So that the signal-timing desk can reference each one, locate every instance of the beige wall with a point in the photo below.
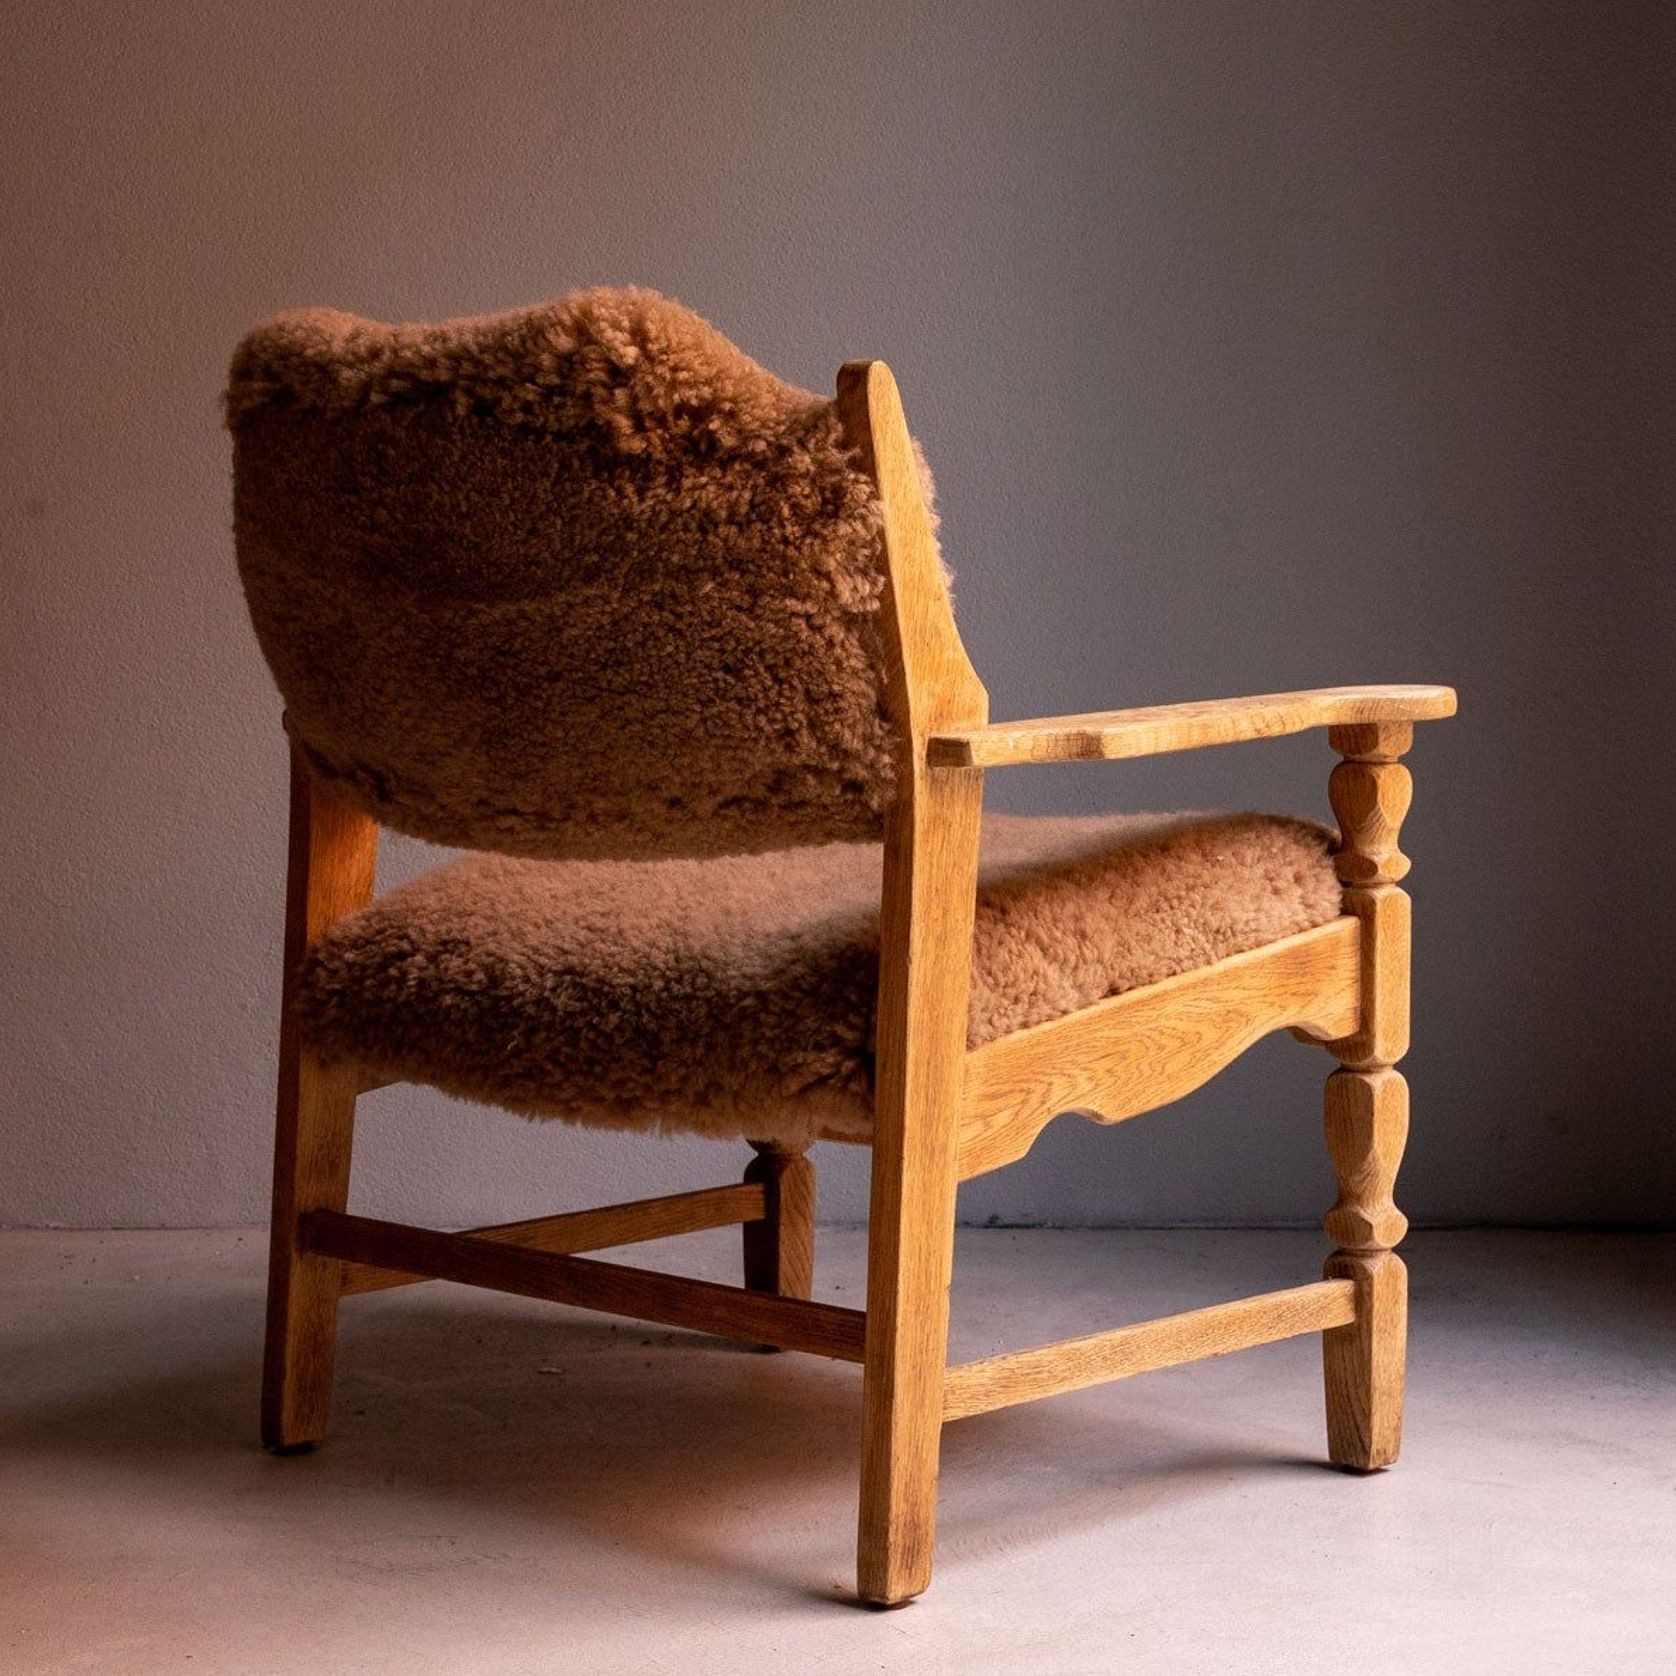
(1256, 346)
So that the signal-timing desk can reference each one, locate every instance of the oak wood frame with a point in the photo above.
(942, 1113)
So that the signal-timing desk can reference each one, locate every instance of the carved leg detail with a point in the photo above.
(1367, 1107)
(1367, 1122)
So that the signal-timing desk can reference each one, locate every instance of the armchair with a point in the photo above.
(440, 654)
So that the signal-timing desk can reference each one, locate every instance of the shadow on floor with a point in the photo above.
(589, 1431)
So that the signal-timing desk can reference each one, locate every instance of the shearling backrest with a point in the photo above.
(579, 580)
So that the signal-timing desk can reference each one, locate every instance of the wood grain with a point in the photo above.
(588, 1283)
(1157, 729)
(332, 856)
(1363, 1362)
(1144, 1048)
(779, 1247)
(932, 686)
(1381, 1034)
(1370, 799)
(1367, 1106)
(1073, 1364)
(1367, 1129)
(929, 894)
(595, 1230)
(940, 1114)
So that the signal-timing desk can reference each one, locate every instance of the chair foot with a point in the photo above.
(899, 1571)
(1364, 1364)
(311, 1172)
(1364, 1361)
(301, 1348)
(902, 1393)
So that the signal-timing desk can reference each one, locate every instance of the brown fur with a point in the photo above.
(585, 585)
(735, 997)
(581, 580)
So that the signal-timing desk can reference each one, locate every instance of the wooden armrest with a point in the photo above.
(1182, 727)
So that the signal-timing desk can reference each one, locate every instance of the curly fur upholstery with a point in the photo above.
(585, 586)
(735, 997)
(581, 580)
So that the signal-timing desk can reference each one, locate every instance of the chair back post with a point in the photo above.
(331, 861)
(929, 891)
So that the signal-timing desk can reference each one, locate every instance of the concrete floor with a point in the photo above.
(516, 1488)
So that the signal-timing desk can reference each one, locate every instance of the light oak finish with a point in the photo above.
(926, 913)
(587, 1283)
(1157, 729)
(596, 1230)
(1074, 1364)
(779, 1246)
(1381, 1035)
(1364, 1363)
(941, 1112)
(1367, 1105)
(1147, 1047)
(1367, 1128)
(1370, 796)
(332, 855)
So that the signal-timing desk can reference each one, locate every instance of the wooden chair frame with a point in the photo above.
(943, 1113)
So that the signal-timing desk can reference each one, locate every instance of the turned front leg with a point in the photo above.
(1367, 1105)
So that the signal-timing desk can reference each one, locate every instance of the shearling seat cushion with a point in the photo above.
(578, 581)
(735, 996)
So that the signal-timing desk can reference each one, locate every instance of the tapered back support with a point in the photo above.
(930, 682)
(580, 580)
